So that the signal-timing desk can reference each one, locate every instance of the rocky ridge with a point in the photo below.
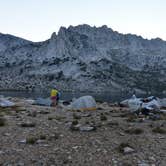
(84, 58)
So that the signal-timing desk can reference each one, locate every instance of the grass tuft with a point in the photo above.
(159, 130)
(2, 121)
(134, 131)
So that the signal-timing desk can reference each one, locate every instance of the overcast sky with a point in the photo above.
(36, 20)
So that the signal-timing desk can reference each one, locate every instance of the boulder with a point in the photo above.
(134, 103)
(84, 103)
(6, 103)
(153, 105)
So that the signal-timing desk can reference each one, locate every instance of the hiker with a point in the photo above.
(54, 97)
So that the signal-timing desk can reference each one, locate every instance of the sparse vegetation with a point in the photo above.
(31, 140)
(76, 116)
(74, 122)
(87, 122)
(131, 118)
(50, 118)
(162, 117)
(2, 121)
(134, 131)
(20, 109)
(159, 130)
(103, 117)
(59, 118)
(42, 136)
(122, 146)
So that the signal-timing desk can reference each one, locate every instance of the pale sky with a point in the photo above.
(36, 20)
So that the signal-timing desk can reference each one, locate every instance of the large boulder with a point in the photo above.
(84, 103)
(151, 105)
(6, 103)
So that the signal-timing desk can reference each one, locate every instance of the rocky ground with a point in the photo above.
(111, 135)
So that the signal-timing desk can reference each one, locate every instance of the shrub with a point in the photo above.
(31, 140)
(103, 117)
(159, 130)
(2, 121)
(134, 131)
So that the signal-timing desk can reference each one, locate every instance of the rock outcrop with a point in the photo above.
(84, 58)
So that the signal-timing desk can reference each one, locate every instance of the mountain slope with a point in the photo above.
(85, 58)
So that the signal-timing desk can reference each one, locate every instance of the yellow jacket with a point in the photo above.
(54, 92)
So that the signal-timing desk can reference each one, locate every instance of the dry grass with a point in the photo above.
(131, 118)
(75, 116)
(159, 130)
(74, 122)
(2, 121)
(134, 131)
(103, 117)
(31, 140)
(42, 136)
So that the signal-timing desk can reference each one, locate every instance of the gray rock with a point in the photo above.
(87, 128)
(23, 141)
(40, 141)
(2, 152)
(27, 124)
(74, 127)
(128, 150)
(143, 164)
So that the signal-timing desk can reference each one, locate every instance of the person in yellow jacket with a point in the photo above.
(54, 97)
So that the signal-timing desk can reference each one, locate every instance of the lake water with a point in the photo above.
(66, 95)
(109, 97)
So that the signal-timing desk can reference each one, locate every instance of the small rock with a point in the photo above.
(69, 157)
(114, 161)
(20, 109)
(32, 113)
(7, 134)
(2, 152)
(112, 123)
(45, 145)
(44, 112)
(75, 147)
(121, 134)
(162, 137)
(40, 141)
(152, 158)
(86, 115)
(75, 127)
(20, 164)
(154, 117)
(23, 141)
(66, 103)
(143, 164)
(28, 124)
(128, 150)
(87, 128)
(30, 101)
(54, 136)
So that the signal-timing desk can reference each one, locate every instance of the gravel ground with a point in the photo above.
(42, 136)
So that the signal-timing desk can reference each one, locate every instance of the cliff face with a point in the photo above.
(84, 58)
